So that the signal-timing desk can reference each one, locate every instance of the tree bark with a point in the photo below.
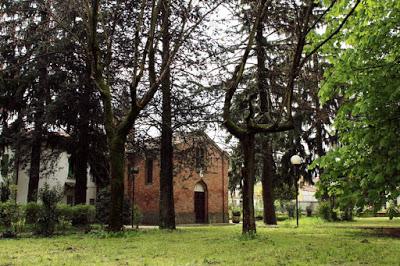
(267, 173)
(117, 165)
(37, 135)
(248, 146)
(34, 170)
(267, 185)
(82, 149)
(167, 208)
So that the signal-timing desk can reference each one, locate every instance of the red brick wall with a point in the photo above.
(215, 179)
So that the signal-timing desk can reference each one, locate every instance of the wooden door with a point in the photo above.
(200, 206)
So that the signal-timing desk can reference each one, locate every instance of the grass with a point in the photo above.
(314, 243)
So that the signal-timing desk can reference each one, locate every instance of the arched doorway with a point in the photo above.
(200, 202)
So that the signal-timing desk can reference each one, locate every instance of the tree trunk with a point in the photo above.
(266, 180)
(82, 150)
(267, 173)
(167, 208)
(37, 135)
(248, 146)
(34, 171)
(318, 114)
(117, 165)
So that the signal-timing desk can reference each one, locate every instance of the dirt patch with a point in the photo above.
(384, 231)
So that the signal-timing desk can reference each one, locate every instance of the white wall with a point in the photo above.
(57, 178)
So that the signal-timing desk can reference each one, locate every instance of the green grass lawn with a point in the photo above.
(314, 243)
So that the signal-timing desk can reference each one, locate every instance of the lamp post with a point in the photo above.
(296, 161)
(132, 171)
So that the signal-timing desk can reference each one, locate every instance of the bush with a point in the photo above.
(259, 215)
(65, 212)
(32, 211)
(279, 206)
(83, 214)
(347, 214)
(392, 210)
(291, 209)
(309, 210)
(102, 205)
(281, 218)
(367, 213)
(324, 211)
(10, 218)
(137, 216)
(5, 191)
(236, 215)
(48, 216)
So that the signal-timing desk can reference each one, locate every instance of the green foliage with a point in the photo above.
(103, 199)
(280, 206)
(236, 211)
(364, 169)
(5, 190)
(392, 210)
(314, 242)
(236, 214)
(259, 215)
(290, 208)
(65, 212)
(10, 218)
(136, 216)
(324, 211)
(83, 214)
(48, 216)
(32, 212)
(309, 211)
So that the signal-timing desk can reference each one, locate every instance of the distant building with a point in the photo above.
(200, 181)
(56, 173)
(306, 196)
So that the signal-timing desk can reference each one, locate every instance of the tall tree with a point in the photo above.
(303, 23)
(167, 209)
(363, 169)
(146, 17)
(40, 96)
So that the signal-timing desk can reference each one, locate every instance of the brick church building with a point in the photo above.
(200, 181)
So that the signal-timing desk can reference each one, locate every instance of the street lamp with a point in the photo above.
(296, 161)
(132, 171)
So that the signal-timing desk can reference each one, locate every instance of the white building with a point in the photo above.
(56, 174)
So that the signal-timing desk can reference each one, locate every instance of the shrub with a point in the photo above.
(48, 216)
(281, 218)
(259, 215)
(236, 211)
(19, 224)
(279, 206)
(32, 211)
(4, 191)
(347, 214)
(102, 205)
(324, 211)
(10, 215)
(236, 215)
(291, 209)
(65, 212)
(392, 210)
(137, 216)
(83, 214)
(309, 210)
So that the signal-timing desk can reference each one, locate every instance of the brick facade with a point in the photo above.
(212, 177)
